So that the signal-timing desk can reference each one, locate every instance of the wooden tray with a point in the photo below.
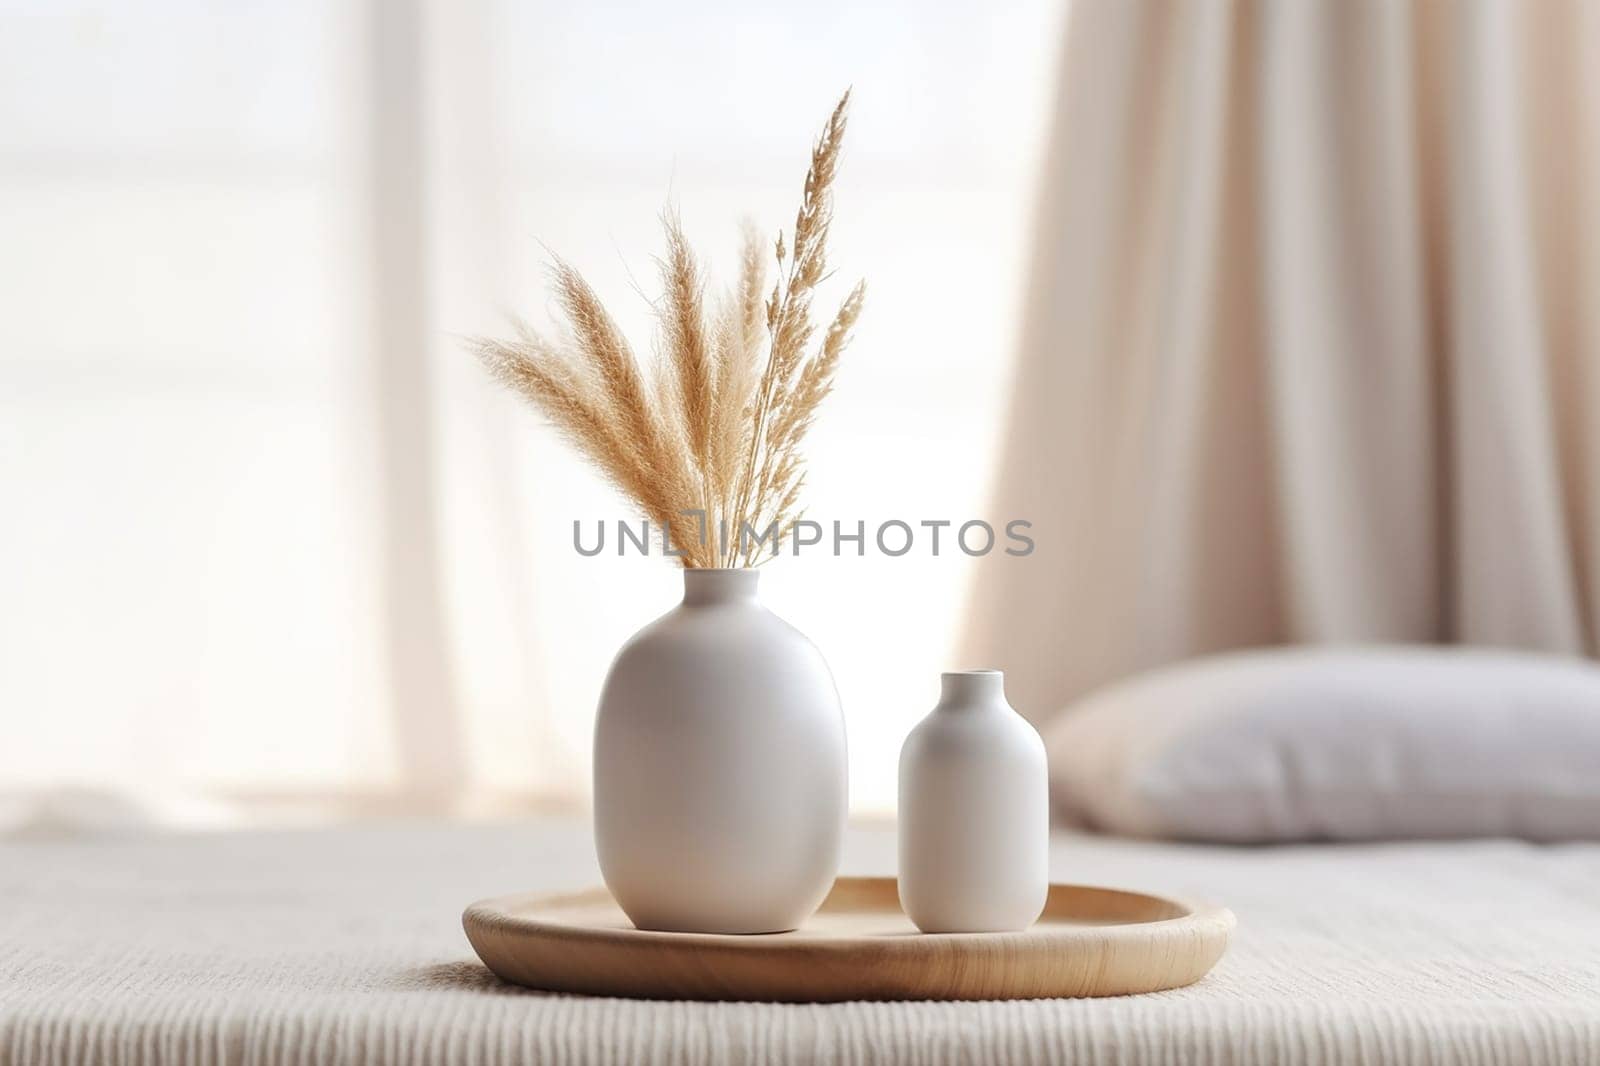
(859, 945)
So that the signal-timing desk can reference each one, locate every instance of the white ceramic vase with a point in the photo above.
(974, 812)
(719, 767)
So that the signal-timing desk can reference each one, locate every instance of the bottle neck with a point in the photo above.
(704, 587)
(966, 687)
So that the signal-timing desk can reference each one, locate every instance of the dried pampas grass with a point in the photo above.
(707, 442)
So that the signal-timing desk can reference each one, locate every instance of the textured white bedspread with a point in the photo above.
(345, 946)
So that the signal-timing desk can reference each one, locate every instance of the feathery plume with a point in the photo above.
(717, 423)
(688, 341)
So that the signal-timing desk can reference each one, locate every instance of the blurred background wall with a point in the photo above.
(271, 548)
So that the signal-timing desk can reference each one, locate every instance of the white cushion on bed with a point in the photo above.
(1344, 744)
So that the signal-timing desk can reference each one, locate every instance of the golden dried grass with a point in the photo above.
(716, 426)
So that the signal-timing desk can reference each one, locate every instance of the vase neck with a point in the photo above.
(966, 687)
(706, 586)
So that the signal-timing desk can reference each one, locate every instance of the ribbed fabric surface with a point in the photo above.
(345, 947)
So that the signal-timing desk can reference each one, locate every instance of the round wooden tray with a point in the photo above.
(859, 945)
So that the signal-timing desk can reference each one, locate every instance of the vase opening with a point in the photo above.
(703, 586)
(962, 686)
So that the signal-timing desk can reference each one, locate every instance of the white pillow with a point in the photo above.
(1338, 744)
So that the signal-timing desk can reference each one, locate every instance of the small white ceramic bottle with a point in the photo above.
(974, 812)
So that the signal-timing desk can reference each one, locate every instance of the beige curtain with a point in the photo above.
(1312, 349)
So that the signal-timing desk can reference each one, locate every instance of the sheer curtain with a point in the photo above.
(271, 544)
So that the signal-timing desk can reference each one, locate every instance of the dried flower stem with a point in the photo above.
(713, 428)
